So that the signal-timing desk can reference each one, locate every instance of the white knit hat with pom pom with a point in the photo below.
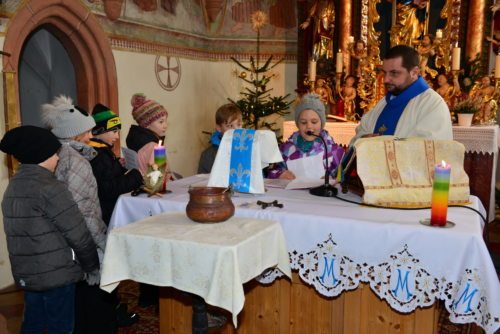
(64, 119)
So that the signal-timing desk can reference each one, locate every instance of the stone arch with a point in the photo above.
(85, 41)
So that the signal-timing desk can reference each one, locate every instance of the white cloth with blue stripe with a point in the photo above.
(242, 155)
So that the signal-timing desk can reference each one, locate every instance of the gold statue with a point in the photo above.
(324, 91)
(323, 13)
(371, 86)
(449, 93)
(409, 27)
(483, 93)
(359, 53)
(348, 95)
(325, 94)
(426, 50)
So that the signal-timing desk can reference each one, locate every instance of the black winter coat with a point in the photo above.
(43, 225)
(112, 178)
(138, 137)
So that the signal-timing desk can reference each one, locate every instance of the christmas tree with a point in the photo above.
(256, 102)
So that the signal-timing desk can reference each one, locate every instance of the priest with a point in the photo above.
(411, 108)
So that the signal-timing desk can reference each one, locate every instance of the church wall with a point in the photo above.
(204, 86)
(207, 80)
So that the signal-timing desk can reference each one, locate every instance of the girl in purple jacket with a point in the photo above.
(310, 118)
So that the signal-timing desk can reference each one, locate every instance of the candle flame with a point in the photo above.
(443, 163)
(159, 143)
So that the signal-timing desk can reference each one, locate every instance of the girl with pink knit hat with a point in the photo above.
(151, 118)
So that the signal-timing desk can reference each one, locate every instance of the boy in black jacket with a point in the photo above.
(112, 179)
(46, 233)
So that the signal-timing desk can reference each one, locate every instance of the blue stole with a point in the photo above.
(240, 167)
(396, 104)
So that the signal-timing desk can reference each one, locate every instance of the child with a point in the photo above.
(112, 178)
(73, 125)
(309, 116)
(44, 231)
(151, 118)
(112, 181)
(227, 117)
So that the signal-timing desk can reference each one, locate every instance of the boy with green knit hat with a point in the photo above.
(112, 179)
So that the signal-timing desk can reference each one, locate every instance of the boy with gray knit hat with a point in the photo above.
(310, 120)
(73, 126)
(45, 230)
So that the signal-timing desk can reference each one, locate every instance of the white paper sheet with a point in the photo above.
(304, 183)
(309, 172)
(130, 157)
(307, 168)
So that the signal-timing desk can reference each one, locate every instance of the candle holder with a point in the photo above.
(427, 222)
(338, 77)
(310, 84)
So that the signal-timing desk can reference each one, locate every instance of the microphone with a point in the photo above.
(325, 190)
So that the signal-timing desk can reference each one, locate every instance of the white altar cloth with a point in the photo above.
(477, 138)
(209, 260)
(335, 246)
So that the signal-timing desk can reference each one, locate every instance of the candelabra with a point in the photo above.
(310, 83)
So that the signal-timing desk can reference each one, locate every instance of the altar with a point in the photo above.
(356, 269)
(481, 154)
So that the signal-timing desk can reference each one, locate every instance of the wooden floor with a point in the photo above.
(11, 311)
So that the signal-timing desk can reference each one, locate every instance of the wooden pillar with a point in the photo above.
(475, 28)
(345, 15)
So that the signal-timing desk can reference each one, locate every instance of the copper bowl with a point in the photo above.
(209, 204)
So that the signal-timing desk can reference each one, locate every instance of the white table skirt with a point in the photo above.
(336, 245)
(212, 261)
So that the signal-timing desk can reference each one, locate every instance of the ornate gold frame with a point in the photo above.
(371, 90)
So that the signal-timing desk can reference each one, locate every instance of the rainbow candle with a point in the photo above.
(160, 155)
(440, 190)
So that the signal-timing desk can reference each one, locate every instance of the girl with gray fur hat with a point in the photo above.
(310, 120)
(73, 127)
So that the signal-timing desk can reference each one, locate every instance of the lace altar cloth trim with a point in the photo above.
(400, 279)
(479, 139)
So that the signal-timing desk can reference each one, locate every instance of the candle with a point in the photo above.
(340, 62)
(160, 155)
(455, 59)
(440, 190)
(497, 66)
(350, 40)
(439, 33)
(312, 71)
